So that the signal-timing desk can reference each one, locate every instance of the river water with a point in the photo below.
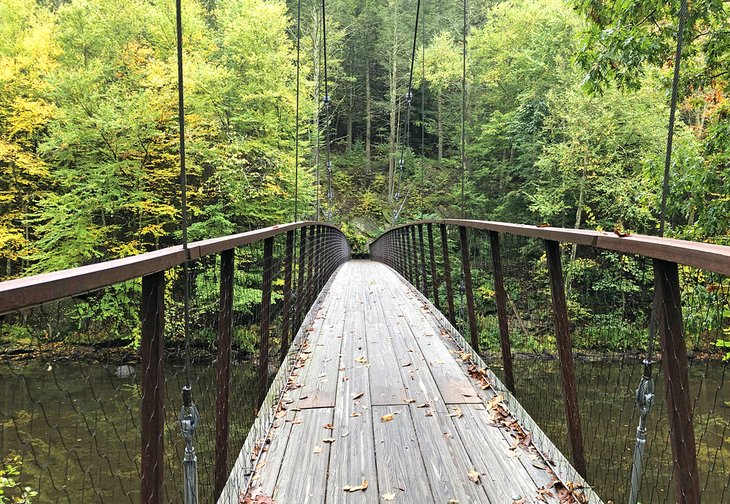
(76, 426)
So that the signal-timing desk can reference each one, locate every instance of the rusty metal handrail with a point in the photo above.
(32, 291)
(706, 256)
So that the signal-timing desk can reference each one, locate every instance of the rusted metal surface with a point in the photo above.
(676, 382)
(286, 323)
(422, 249)
(263, 373)
(567, 366)
(468, 287)
(299, 298)
(223, 371)
(434, 274)
(152, 423)
(501, 299)
(447, 272)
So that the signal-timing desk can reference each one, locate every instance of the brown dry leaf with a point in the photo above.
(465, 357)
(473, 475)
(523, 500)
(354, 488)
(296, 421)
(452, 501)
(317, 449)
(328, 440)
(356, 414)
(328, 426)
(387, 418)
(357, 396)
(409, 401)
(424, 405)
(429, 413)
(388, 497)
(494, 401)
(457, 413)
(362, 360)
(280, 414)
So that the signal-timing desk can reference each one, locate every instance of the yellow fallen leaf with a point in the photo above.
(473, 475)
(494, 401)
(452, 501)
(317, 449)
(362, 360)
(457, 413)
(354, 488)
(465, 357)
(386, 418)
(388, 497)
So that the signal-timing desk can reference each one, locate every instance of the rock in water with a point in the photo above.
(125, 371)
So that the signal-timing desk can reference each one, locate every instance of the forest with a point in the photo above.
(565, 107)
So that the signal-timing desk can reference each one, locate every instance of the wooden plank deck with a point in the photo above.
(386, 399)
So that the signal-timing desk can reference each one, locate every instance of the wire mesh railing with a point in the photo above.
(564, 318)
(93, 363)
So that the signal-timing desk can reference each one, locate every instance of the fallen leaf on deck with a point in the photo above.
(280, 414)
(457, 413)
(512, 453)
(406, 364)
(328, 440)
(317, 449)
(388, 497)
(473, 475)
(296, 421)
(494, 401)
(356, 414)
(424, 405)
(465, 357)
(523, 500)
(345, 434)
(452, 501)
(429, 413)
(328, 426)
(362, 486)
(357, 396)
(362, 360)
(386, 418)
(409, 401)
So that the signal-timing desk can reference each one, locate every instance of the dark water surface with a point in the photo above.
(76, 427)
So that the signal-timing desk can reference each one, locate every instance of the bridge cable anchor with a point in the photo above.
(189, 420)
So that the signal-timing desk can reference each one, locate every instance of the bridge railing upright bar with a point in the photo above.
(251, 293)
(519, 313)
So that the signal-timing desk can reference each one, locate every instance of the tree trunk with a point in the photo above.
(440, 126)
(368, 118)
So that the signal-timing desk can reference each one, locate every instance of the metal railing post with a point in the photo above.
(567, 367)
(447, 273)
(422, 248)
(153, 388)
(466, 269)
(263, 372)
(416, 278)
(676, 382)
(311, 243)
(501, 299)
(299, 298)
(286, 323)
(223, 370)
(434, 275)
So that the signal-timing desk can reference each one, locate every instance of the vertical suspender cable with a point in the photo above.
(189, 416)
(463, 112)
(326, 102)
(423, 103)
(409, 99)
(645, 392)
(296, 127)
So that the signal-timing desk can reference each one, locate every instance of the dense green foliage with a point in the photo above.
(566, 119)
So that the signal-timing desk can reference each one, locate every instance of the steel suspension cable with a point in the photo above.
(189, 416)
(327, 101)
(645, 391)
(296, 127)
(463, 112)
(423, 104)
(409, 99)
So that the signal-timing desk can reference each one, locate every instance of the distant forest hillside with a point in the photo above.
(566, 119)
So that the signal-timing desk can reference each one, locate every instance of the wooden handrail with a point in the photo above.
(38, 289)
(706, 256)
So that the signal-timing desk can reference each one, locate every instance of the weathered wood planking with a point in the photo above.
(376, 356)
